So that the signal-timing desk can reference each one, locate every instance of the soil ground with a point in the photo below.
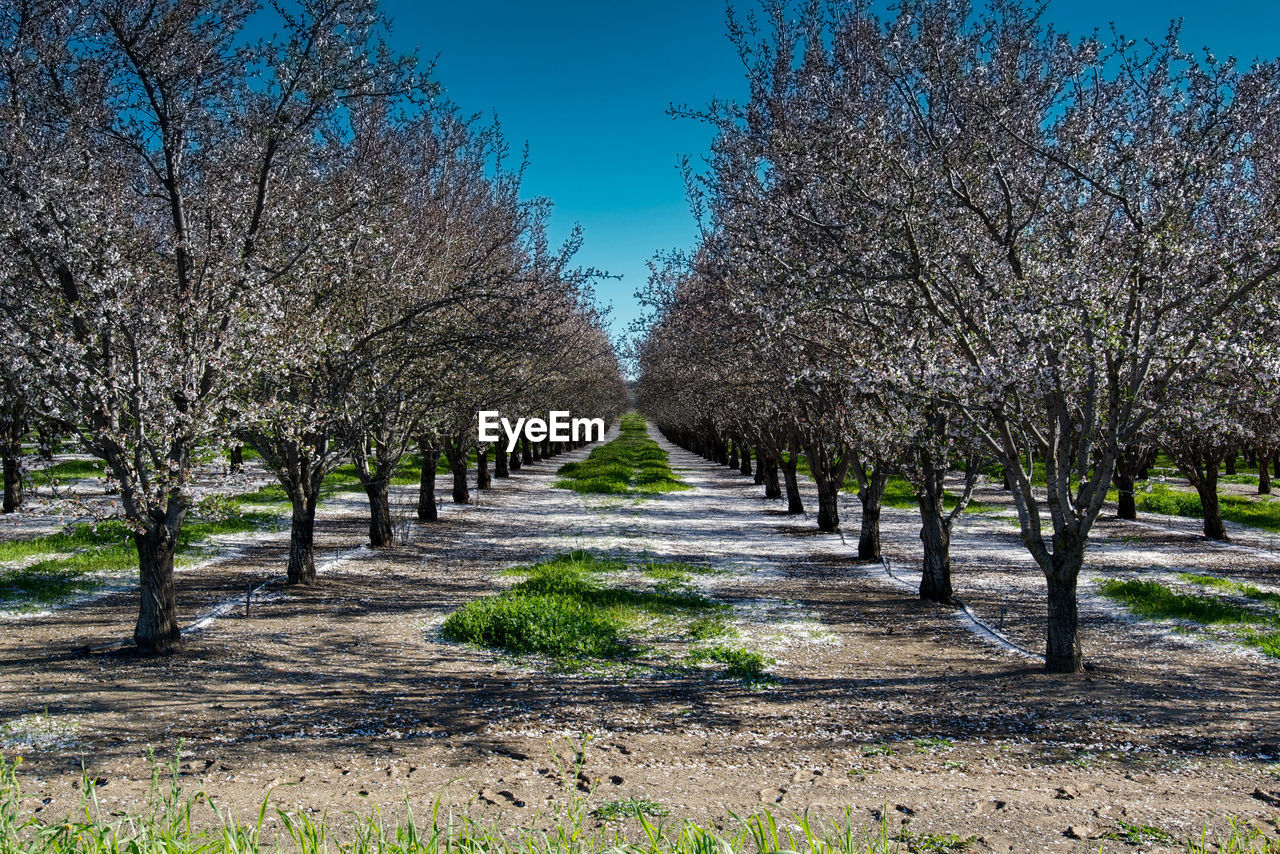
(343, 695)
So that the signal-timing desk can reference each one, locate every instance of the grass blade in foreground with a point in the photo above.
(176, 821)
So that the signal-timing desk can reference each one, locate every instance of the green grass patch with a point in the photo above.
(1137, 834)
(739, 663)
(1249, 627)
(632, 464)
(555, 625)
(1246, 590)
(901, 495)
(343, 479)
(1261, 512)
(1154, 600)
(562, 610)
(928, 744)
(675, 570)
(711, 627)
(67, 470)
(1268, 643)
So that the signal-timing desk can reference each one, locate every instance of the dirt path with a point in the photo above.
(344, 695)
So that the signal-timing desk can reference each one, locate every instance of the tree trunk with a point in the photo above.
(935, 576)
(526, 451)
(733, 455)
(515, 462)
(157, 632)
(381, 533)
(760, 469)
(302, 563)
(500, 463)
(12, 476)
(1264, 472)
(1062, 647)
(936, 535)
(1208, 489)
(794, 504)
(1199, 464)
(828, 507)
(458, 466)
(872, 497)
(537, 451)
(1230, 461)
(1124, 480)
(427, 511)
(772, 490)
(746, 461)
(237, 459)
(935, 532)
(482, 468)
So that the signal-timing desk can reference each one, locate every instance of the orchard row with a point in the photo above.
(955, 240)
(296, 244)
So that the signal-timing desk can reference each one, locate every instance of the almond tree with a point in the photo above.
(146, 152)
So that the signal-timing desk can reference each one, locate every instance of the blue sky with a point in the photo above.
(587, 85)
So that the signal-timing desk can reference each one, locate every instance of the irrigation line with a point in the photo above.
(976, 624)
(223, 608)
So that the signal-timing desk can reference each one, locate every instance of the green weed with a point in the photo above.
(744, 664)
(1136, 834)
(930, 743)
(934, 843)
(629, 808)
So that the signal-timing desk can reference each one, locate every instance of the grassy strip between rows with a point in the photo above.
(632, 464)
(175, 821)
(1223, 619)
(1260, 512)
(84, 559)
(564, 611)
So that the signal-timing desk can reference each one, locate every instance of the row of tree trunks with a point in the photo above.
(735, 453)
(829, 474)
